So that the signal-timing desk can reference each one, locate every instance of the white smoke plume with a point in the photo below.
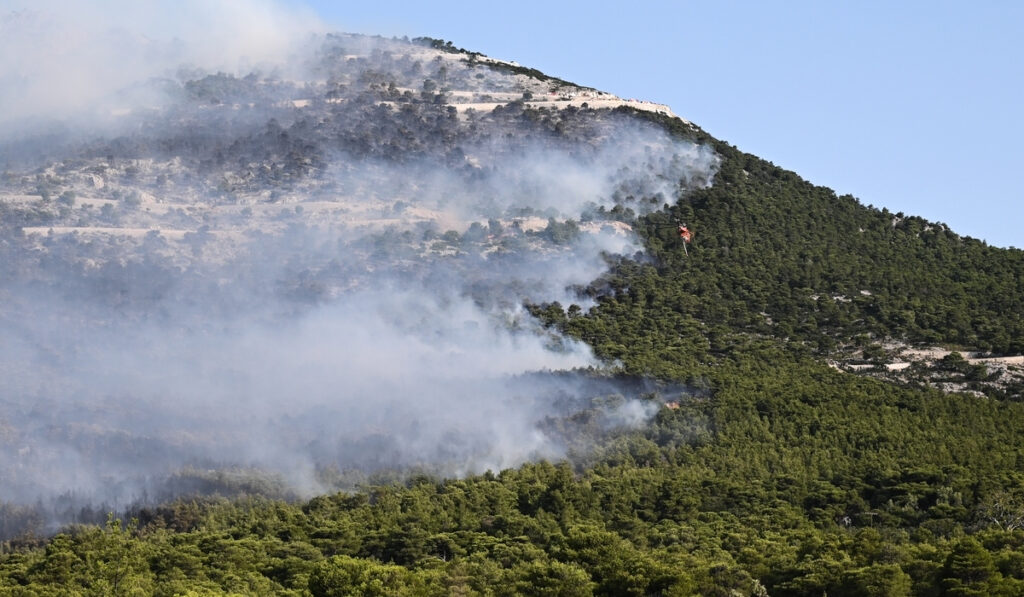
(61, 59)
(287, 266)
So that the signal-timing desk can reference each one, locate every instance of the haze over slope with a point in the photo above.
(310, 265)
(385, 255)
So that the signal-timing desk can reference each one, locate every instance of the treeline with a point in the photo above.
(821, 265)
(776, 257)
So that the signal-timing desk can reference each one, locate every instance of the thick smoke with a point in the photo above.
(305, 276)
(62, 60)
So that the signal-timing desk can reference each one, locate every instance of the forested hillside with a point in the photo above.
(716, 450)
(775, 256)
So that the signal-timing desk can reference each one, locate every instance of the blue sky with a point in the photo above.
(914, 106)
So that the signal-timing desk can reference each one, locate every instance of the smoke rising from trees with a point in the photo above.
(302, 276)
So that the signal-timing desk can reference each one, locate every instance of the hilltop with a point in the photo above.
(142, 183)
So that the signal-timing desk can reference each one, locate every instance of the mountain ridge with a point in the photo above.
(468, 376)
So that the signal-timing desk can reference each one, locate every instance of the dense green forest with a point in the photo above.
(775, 475)
(819, 265)
(792, 479)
